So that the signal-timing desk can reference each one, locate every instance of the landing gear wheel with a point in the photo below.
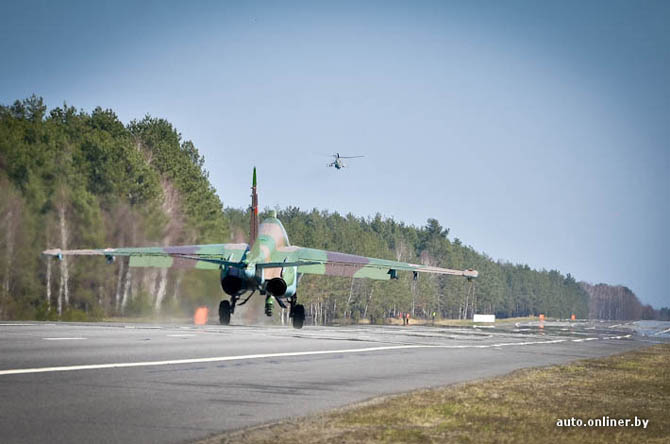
(224, 313)
(298, 316)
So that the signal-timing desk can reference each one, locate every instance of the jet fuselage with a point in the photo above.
(280, 282)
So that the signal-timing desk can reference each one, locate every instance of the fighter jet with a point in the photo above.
(269, 265)
(338, 163)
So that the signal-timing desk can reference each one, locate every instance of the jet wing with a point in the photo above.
(330, 263)
(210, 256)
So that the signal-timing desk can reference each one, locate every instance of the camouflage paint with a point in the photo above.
(269, 252)
(270, 256)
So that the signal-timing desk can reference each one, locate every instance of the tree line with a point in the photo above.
(616, 302)
(73, 179)
(505, 289)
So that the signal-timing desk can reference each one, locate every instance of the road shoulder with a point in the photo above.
(525, 403)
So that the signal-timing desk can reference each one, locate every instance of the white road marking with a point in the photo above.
(617, 337)
(261, 356)
(184, 335)
(661, 332)
(16, 325)
(63, 339)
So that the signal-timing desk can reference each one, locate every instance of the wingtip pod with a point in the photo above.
(467, 273)
(56, 252)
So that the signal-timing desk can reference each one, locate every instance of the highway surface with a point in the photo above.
(136, 383)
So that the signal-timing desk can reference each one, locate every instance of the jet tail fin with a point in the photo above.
(253, 229)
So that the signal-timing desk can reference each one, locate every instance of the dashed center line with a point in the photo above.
(64, 339)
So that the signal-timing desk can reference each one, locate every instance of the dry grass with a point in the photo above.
(520, 407)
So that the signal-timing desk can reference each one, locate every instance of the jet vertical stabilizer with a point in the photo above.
(253, 229)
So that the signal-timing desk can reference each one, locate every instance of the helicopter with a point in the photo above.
(338, 163)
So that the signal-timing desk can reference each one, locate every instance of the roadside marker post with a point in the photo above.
(200, 316)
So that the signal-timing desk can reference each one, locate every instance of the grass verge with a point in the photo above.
(523, 406)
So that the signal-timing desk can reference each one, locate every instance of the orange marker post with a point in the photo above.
(200, 317)
(573, 317)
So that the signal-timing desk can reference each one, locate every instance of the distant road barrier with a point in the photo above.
(483, 318)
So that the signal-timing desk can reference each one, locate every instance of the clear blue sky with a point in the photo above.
(538, 132)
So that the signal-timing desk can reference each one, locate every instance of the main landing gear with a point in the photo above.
(296, 313)
(298, 316)
(227, 308)
(224, 312)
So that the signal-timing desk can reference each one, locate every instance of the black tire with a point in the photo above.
(224, 313)
(298, 316)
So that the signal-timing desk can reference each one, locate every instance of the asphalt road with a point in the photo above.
(71, 383)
